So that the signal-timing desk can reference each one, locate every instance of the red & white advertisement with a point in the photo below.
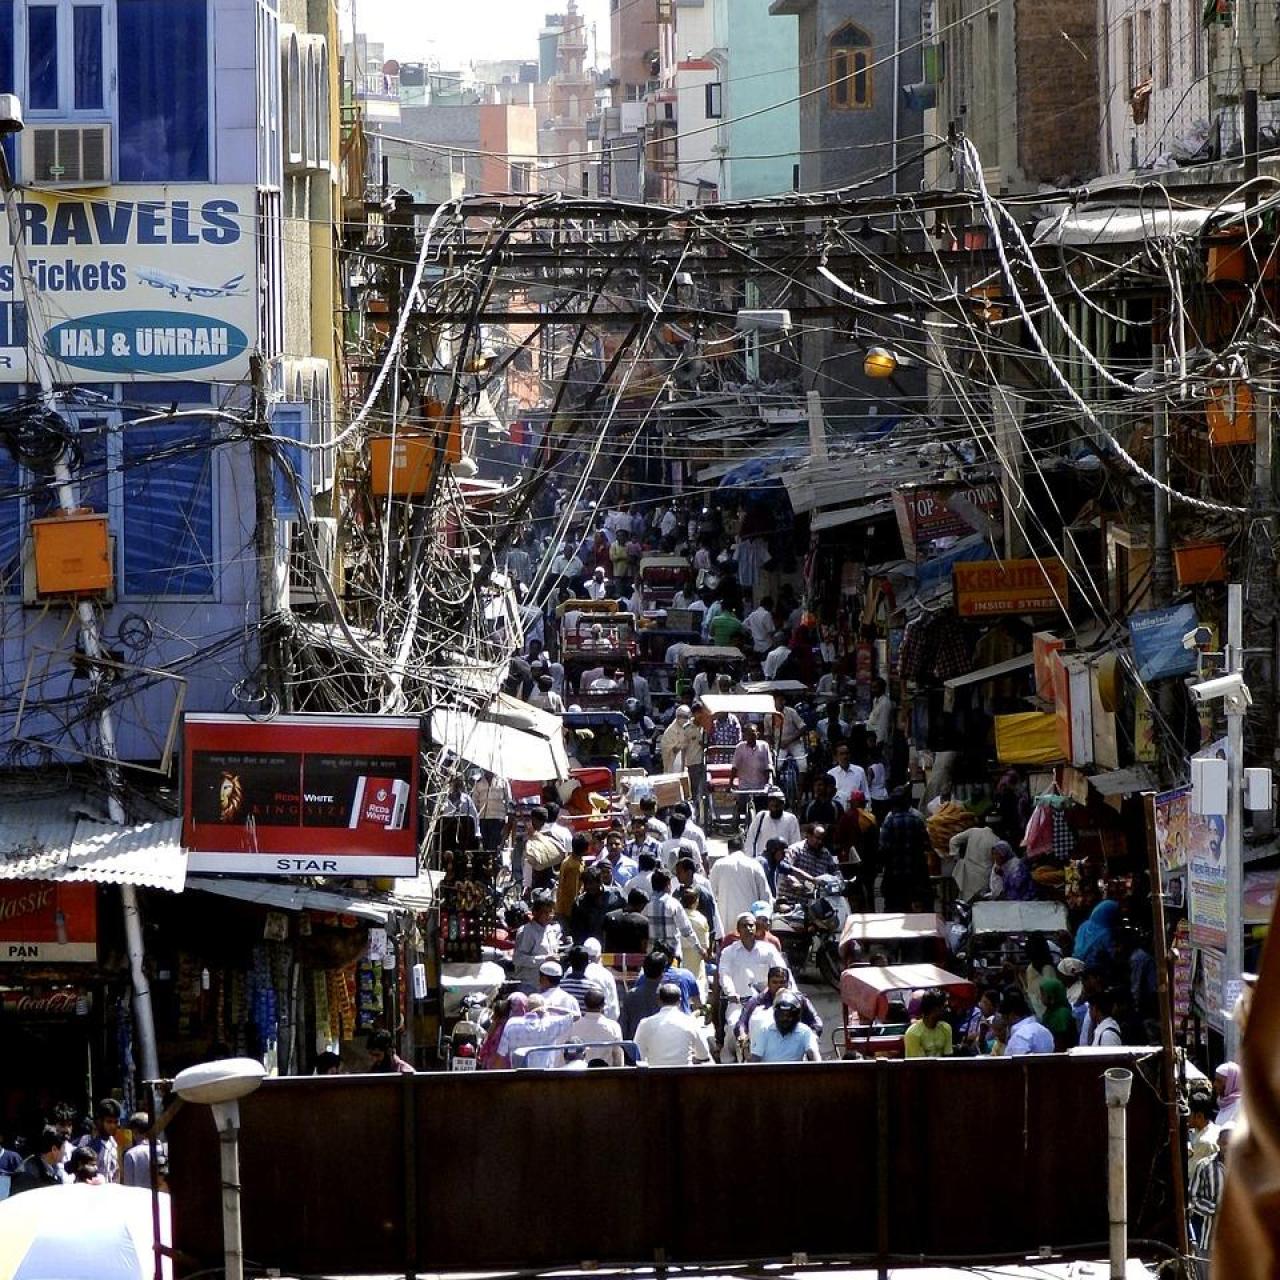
(43, 922)
(301, 795)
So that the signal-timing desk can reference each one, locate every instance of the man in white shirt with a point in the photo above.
(1026, 1034)
(540, 1026)
(670, 1038)
(847, 777)
(595, 1026)
(691, 829)
(550, 972)
(880, 719)
(775, 659)
(744, 966)
(760, 625)
(556, 830)
(669, 522)
(538, 940)
(596, 973)
(737, 881)
(773, 821)
(597, 586)
(1106, 1030)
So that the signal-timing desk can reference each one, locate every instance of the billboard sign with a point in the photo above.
(148, 282)
(928, 512)
(48, 922)
(998, 587)
(1157, 641)
(301, 795)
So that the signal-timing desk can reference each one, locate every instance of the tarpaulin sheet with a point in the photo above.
(1027, 737)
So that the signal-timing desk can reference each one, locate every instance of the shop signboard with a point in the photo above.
(1191, 850)
(1211, 996)
(999, 587)
(48, 922)
(1156, 635)
(1044, 644)
(63, 1003)
(928, 512)
(146, 283)
(301, 795)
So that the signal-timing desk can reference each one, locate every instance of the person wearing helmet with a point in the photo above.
(788, 1039)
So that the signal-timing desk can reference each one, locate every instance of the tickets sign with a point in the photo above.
(989, 587)
(144, 282)
(301, 795)
(48, 922)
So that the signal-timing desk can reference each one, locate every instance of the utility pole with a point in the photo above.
(1235, 708)
(1162, 565)
(265, 535)
(1004, 420)
(67, 492)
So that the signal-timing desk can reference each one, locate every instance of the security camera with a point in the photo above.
(10, 113)
(1231, 687)
(1197, 639)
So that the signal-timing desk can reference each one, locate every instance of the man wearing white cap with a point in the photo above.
(597, 973)
(549, 975)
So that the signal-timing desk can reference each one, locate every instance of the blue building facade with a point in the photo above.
(173, 149)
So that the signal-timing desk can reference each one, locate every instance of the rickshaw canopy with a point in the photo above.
(775, 686)
(711, 653)
(1019, 917)
(587, 606)
(891, 926)
(650, 564)
(737, 704)
(866, 990)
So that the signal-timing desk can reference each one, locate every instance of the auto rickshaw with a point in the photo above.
(722, 800)
(661, 577)
(607, 746)
(720, 659)
(875, 999)
(996, 939)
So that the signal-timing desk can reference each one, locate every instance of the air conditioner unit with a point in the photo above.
(67, 155)
(305, 590)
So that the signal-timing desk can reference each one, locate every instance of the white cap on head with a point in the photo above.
(683, 712)
(593, 948)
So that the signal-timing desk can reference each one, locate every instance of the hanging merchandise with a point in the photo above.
(369, 1005)
(467, 909)
(1038, 838)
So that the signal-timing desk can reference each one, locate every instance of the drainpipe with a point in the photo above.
(897, 89)
(1117, 1083)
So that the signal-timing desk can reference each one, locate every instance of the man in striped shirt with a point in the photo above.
(576, 982)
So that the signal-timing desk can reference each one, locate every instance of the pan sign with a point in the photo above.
(147, 282)
(48, 922)
(989, 587)
(301, 795)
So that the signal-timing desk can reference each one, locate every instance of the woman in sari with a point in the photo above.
(1057, 1016)
(1095, 938)
(488, 1059)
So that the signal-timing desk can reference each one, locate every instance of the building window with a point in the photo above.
(164, 90)
(521, 174)
(67, 53)
(1144, 44)
(1196, 37)
(1163, 41)
(850, 68)
(1130, 58)
(715, 99)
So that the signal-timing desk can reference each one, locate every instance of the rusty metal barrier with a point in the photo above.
(531, 1170)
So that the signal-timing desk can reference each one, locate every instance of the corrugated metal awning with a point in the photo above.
(829, 519)
(149, 854)
(993, 672)
(288, 897)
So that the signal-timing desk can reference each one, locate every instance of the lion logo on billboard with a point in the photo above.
(230, 798)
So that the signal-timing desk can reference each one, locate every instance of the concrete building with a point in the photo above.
(854, 120)
(1005, 88)
(758, 56)
(185, 157)
(571, 102)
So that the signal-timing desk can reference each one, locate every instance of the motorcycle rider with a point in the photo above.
(743, 964)
(760, 1007)
(810, 857)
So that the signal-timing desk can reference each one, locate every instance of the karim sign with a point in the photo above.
(158, 284)
(986, 587)
(301, 795)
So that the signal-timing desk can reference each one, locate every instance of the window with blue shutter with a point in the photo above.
(168, 509)
(163, 90)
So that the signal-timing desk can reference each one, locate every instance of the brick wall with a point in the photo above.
(1058, 108)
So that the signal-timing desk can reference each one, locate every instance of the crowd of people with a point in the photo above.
(69, 1149)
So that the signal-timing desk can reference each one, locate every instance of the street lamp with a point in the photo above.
(220, 1085)
(880, 362)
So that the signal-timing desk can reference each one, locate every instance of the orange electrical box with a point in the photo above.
(72, 554)
(400, 467)
(1200, 562)
(1229, 410)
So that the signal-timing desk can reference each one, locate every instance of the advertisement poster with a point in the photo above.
(45, 921)
(1157, 642)
(1010, 586)
(161, 284)
(302, 795)
(937, 511)
(1173, 808)
(1211, 996)
(1191, 850)
(1182, 972)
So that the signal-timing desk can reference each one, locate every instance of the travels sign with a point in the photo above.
(147, 282)
(301, 795)
(988, 587)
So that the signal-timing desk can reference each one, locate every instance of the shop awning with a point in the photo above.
(993, 672)
(288, 897)
(829, 519)
(149, 855)
(516, 754)
(1123, 224)
(1123, 782)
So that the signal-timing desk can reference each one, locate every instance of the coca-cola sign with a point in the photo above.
(50, 1004)
(47, 922)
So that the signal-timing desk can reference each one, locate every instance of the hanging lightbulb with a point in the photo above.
(60, 926)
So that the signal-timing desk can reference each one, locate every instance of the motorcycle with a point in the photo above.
(808, 924)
